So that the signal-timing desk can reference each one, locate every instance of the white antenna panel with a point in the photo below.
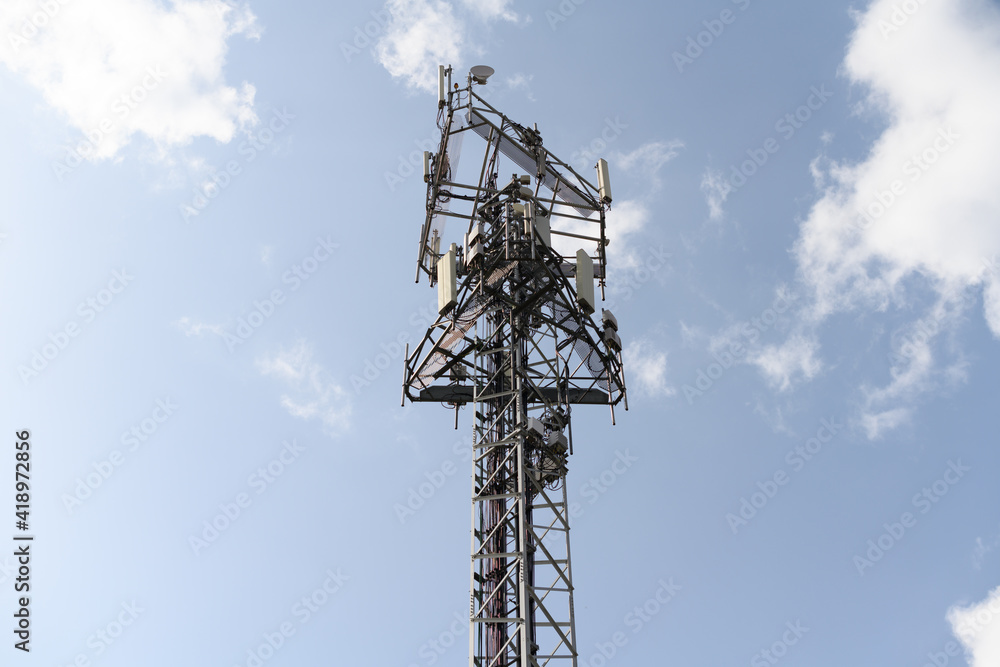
(585, 281)
(441, 97)
(604, 181)
(448, 281)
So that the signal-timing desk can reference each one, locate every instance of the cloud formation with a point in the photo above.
(648, 159)
(978, 628)
(647, 369)
(919, 211)
(716, 189)
(423, 34)
(783, 364)
(192, 328)
(923, 203)
(120, 68)
(313, 395)
(628, 217)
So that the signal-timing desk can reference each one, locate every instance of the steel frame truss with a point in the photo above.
(521, 350)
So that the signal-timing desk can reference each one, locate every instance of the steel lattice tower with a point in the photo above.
(515, 339)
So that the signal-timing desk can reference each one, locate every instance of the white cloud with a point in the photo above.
(783, 364)
(422, 34)
(991, 298)
(978, 628)
(773, 417)
(192, 328)
(267, 255)
(624, 221)
(716, 189)
(914, 371)
(646, 367)
(316, 396)
(492, 9)
(627, 217)
(119, 68)
(934, 78)
(521, 81)
(982, 551)
(919, 210)
(648, 158)
(877, 423)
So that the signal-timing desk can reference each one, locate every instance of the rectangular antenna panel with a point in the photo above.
(540, 221)
(603, 181)
(585, 281)
(475, 252)
(478, 233)
(612, 340)
(447, 282)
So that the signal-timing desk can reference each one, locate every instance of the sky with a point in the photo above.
(207, 251)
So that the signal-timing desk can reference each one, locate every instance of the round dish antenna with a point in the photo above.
(480, 73)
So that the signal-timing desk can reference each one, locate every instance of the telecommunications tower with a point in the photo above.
(514, 339)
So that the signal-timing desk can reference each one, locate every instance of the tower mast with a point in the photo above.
(516, 340)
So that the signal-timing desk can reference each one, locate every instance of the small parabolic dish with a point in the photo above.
(480, 73)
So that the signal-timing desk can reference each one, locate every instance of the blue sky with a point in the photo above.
(207, 251)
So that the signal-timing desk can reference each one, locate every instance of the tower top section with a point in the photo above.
(515, 241)
(574, 205)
